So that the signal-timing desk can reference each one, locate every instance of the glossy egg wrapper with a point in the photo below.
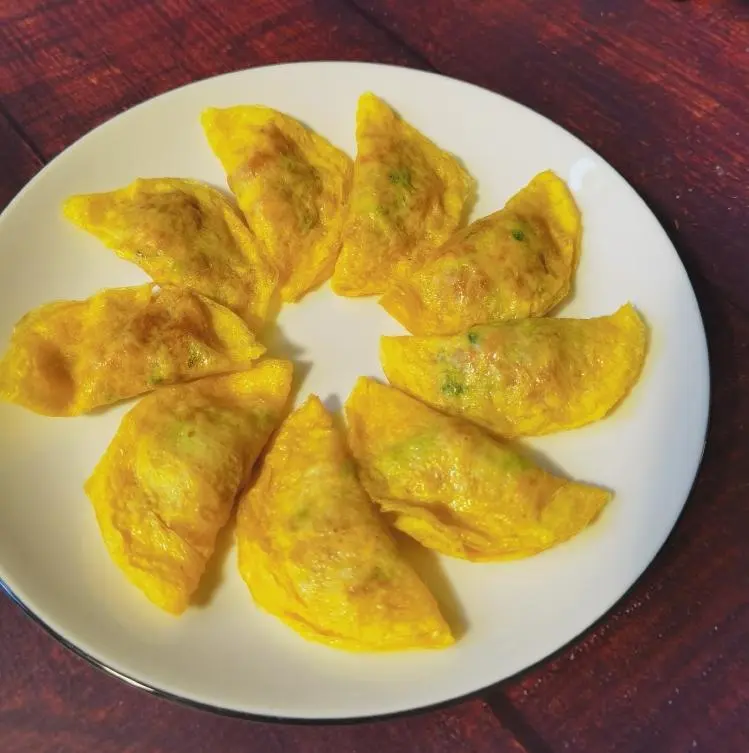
(291, 185)
(314, 551)
(185, 233)
(515, 263)
(70, 357)
(524, 377)
(169, 479)
(454, 488)
(408, 197)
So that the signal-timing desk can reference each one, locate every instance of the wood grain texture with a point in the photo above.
(68, 65)
(668, 668)
(658, 88)
(59, 84)
(18, 160)
(53, 702)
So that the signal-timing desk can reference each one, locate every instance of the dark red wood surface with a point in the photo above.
(661, 89)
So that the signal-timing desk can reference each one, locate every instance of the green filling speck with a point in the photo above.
(401, 177)
(473, 337)
(452, 388)
(518, 235)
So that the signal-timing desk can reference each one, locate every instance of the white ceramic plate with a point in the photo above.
(227, 653)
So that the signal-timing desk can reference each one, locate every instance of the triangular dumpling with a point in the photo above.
(532, 376)
(168, 481)
(408, 197)
(69, 357)
(291, 184)
(314, 552)
(184, 233)
(456, 489)
(515, 263)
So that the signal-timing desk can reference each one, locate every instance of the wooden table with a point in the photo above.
(661, 89)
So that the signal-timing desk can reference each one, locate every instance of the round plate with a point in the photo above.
(225, 652)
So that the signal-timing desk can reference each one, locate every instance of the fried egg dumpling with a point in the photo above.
(185, 233)
(408, 197)
(291, 184)
(168, 481)
(314, 551)
(515, 263)
(524, 377)
(70, 357)
(453, 487)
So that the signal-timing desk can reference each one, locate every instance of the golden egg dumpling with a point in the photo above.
(408, 197)
(456, 489)
(168, 481)
(291, 184)
(515, 263)
(314, 551)
(185, 233)
(70, 357)
(527, 376)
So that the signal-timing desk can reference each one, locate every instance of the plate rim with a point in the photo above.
(705, 365)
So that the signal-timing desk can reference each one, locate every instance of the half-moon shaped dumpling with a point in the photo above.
(408, 197)
(185, 233)
(515, 263)
(168, 481)
(456, 489)
(69, 357)
(531, 376)
(315, 553)
(290, 183)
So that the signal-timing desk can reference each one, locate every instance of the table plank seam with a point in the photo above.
(512, 719)
(375, 22)
(19, 131)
